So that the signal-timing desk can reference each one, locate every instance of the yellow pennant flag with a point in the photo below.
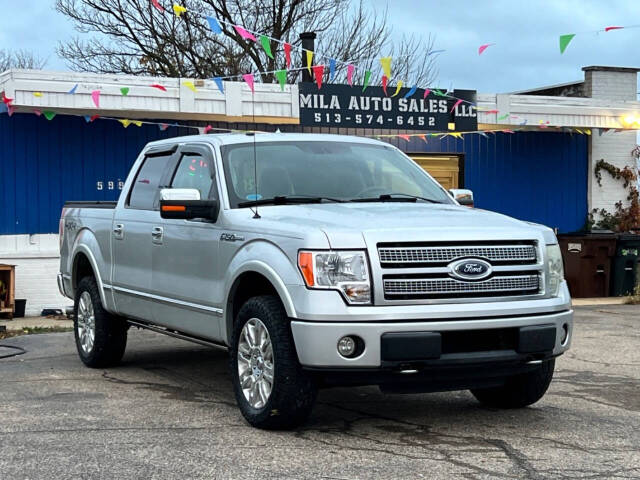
(309, 60)
(37, 94)
(386, 66)
(178, 9)
(137, 123)
(398, 88)
(125, 123)
(190, 85)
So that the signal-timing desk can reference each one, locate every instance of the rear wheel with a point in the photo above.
(520, 390)
(272, 390)
(101, 338)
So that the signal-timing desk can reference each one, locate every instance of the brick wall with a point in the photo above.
(610, 83)
(37, 264)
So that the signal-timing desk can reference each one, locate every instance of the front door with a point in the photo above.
(185, 259)
(445, 169)
(133, 236)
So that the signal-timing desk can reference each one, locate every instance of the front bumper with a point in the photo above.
(316, 342)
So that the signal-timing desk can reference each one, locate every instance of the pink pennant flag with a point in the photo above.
(95, 95)
(159, 87)
(287, 53)
(405, 137)
(248, 77)
(491, 111)
(163, 126)
(608, 29)
(207, 129)
(384, 84)
(427, 91)
(482, 48)
(350, 69)
(318, 72)
(458, 102)
(37, 112)
(244, 34)
(157, 5)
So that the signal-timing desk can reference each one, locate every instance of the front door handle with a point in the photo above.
(156, 235)
(118, 231)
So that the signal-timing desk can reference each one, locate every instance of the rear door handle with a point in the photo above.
(156, 235)
(118, 231)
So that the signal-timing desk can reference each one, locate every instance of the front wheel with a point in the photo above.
(271, 389)
(520, 390)
(100, 337)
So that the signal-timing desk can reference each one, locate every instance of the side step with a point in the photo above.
(173, 333)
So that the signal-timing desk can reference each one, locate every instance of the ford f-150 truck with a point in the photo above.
(316, 260)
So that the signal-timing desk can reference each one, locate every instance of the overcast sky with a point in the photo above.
(526, 53)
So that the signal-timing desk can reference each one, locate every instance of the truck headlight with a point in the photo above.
(345, 271)
(556, 270)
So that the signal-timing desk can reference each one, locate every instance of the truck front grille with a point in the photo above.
(412, 256)
(402, 288)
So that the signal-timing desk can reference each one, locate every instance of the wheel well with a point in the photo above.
(247, 285)
(81, 268)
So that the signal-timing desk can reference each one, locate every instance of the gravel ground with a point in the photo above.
(168, 412)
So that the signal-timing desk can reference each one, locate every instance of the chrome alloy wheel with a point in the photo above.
(86, 322)
(255, 363)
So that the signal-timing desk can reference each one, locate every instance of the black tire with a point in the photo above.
(520, 390)
(293, 392)
(110, 337)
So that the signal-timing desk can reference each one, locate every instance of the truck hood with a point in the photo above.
(353, 225)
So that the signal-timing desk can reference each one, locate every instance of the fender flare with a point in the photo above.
(83, 248)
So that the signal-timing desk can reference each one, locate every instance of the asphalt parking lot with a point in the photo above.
(168, 412)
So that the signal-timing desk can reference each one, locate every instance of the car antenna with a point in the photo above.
(255, 155)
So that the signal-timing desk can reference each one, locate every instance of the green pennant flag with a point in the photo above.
(281, 75)
(124, 91)
(49, 114)
(439, 93)
(266, 44)
(367, 77)
(565, 40)
(503, 117)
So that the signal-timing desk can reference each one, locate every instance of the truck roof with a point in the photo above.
(235, 138)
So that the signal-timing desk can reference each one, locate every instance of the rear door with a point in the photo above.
(133, 236)
(185, 261)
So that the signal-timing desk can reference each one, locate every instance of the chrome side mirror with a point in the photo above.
(463, 196)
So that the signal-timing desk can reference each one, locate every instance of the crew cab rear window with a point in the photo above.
(146, 185)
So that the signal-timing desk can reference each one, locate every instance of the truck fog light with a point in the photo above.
(346, 346)
(350, 346)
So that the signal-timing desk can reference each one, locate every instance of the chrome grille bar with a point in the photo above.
(427, 254)
(449, 286)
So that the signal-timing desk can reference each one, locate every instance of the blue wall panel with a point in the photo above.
(536, 176)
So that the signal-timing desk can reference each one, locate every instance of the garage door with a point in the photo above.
(445, 169)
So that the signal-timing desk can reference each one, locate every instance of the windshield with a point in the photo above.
(336, 170)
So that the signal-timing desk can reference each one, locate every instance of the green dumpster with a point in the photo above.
(624, 277)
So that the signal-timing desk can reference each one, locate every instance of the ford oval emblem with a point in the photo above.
(470, 269)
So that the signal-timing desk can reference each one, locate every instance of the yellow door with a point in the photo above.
(445, 169)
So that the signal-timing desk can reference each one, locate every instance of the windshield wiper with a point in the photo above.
(287, 200)
(395, 197)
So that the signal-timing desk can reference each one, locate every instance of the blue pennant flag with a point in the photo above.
(87, 118)
(73, 90)
(332, 69)
(214, 25)
(411, 92)
(218, 81)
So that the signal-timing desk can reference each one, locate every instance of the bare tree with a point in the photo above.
(20, 59)
(133, 37)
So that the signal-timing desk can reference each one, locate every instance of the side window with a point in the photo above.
(194, 171)
(146, 185)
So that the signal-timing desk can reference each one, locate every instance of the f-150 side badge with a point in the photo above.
(231, 237)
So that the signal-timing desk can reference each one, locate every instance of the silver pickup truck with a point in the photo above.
(317, 260)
